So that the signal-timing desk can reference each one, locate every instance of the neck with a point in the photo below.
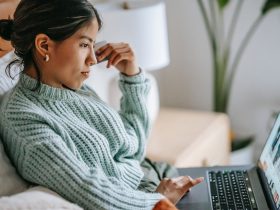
(31, 72)
(43, 77)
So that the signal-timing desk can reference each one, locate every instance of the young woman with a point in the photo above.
(57, 131)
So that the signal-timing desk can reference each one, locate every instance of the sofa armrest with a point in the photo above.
(186, 138)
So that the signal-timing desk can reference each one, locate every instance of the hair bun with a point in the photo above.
(6, 29)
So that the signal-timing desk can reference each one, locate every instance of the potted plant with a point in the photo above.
(225, 65)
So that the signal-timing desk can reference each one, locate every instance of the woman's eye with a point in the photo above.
(84, 45)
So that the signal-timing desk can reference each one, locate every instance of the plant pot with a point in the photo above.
(242, 151)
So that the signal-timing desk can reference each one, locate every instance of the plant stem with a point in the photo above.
(212, 40)
(226, 53)
(206, 20)
(239, 53)
(216, 51)
(233, 22)
(219, 71)
(221, 60)
(214, 19)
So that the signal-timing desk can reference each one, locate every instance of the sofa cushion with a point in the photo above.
(36, 198)
(10, 181)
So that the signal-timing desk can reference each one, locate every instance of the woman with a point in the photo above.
(57, 131)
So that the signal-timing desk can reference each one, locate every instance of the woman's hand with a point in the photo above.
(119, 55)
(174, 189)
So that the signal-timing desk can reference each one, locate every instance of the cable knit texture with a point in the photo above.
(75, 144)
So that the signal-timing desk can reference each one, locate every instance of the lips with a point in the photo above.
(85, 73)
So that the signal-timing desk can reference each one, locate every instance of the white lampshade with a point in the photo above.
(143, 27)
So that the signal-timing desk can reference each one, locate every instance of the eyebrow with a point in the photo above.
(88, 38)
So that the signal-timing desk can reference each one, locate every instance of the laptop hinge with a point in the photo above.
(265, 187)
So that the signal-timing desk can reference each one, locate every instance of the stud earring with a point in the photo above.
(47, 58)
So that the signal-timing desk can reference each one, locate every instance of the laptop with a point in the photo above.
(239, 187)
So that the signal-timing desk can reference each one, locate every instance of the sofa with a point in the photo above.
(180, 137)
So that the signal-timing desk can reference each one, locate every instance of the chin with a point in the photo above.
(73, 87)
(77, 87)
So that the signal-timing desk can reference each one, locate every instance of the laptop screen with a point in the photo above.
(270, 161)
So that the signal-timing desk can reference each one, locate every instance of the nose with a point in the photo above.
(91, 60)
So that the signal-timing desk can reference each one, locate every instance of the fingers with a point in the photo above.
(195, 181)
(119, 55)
(185, 183)
(174, 189)
(119, 58)
(115, 53)
(190, 182)
(107, 50)
(185, 180)
(101, 49)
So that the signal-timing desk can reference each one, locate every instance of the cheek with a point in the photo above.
(70, 59)
(71, 56)
(65, 58)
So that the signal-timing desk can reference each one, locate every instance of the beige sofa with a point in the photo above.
(181, 137)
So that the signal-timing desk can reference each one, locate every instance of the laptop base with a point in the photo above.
(199, 196)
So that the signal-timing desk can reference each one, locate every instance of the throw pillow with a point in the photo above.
(6, 83)
(10, 181)
(37, 198)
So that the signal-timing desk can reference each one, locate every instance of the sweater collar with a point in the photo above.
(44, 90)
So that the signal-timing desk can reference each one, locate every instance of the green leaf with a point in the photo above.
(269, 5)
(222, 3)
(241, 143)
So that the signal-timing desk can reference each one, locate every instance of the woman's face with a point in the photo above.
(70, 60)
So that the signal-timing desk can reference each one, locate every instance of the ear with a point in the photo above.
(43, 44)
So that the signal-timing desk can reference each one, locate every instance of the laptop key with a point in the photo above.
(224, 206)
(231, 207)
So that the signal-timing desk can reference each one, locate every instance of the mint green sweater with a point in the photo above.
(75, 144)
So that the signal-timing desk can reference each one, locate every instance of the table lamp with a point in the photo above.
(143, 25)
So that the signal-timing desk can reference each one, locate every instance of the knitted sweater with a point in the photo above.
(73, 143)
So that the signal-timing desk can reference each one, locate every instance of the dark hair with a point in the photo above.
(59, 19)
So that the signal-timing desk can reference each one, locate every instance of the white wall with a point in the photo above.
(187, 81)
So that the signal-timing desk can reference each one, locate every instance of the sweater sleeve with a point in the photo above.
(48, 161)
(134, 111)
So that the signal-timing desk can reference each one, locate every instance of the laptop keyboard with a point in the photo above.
(231, 190)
